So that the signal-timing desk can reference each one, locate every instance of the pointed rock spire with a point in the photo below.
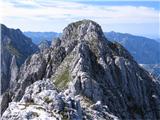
(14, 71)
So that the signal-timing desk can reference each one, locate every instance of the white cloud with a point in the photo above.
(22, 12)
(59, 9)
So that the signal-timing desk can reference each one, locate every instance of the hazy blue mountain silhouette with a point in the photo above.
(37, 37)
(144, 50)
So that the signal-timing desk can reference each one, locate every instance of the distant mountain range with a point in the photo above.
(158, 39)
(37, 37)
(144, 50)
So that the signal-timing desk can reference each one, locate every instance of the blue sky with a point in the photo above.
(136, 17)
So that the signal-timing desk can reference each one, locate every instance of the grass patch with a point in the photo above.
(62, 79)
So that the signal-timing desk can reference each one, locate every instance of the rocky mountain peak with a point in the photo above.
(83, 30)
(88, 78)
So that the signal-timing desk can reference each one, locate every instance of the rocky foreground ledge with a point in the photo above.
(42, 101)
(83, 76)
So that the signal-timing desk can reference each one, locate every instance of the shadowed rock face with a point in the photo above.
(13, 43)
(100, 74)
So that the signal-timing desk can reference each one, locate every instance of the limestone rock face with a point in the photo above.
(38, 66)
(4, 100)
(55, 42)
(5, 97)
(43, 101)
(44, 44)
(14, 72)
(84, 66)
(13, 43)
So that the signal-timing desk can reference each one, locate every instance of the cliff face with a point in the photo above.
(140, 46)
(84, 76)
(13, 43)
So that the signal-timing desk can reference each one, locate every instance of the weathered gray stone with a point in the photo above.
(42, 101)
(14, 72)
(13, 43)
(44, 44)
(56, 43)
(86, 67)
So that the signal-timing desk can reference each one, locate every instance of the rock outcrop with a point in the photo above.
(85, 66)
(154, 69)
(14, 72)
(44, 44)
(13, 43)
(43, 101)
(140, 46)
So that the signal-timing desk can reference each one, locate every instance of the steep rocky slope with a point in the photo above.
(145, 51)
(13, 43)
(44, 44)
(154, 69)
(83, 76)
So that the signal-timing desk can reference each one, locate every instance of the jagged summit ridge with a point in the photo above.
(101, 75)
